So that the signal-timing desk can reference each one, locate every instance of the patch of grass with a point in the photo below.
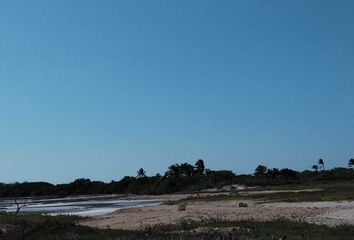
(334, 191)
(40, 227)
(279, 229)
(338, 191)
(9, 218)
(219, 197)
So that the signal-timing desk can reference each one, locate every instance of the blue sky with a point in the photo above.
(98, 89)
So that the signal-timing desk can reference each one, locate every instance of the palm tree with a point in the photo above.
(321, 163)
(315, 167)
(199, 167)
(351, 163)
(141, 173)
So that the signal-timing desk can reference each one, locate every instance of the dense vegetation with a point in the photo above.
(181, 177)
(38, 227)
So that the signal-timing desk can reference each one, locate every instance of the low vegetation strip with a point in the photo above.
(329, 191)
(36, 227)
(262, 192)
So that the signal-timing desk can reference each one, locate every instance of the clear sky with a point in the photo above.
(98, 89)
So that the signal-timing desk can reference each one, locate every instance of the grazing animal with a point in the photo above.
(182, 207)
(242, 204)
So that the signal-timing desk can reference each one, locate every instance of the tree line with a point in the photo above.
(180, 177)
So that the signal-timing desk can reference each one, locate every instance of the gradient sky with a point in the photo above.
(97, 89)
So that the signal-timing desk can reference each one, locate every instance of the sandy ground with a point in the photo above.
(143, 217)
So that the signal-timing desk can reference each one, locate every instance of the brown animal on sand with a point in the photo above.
(242, 204)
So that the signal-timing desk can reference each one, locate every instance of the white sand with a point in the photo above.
(314, 212)
(139, 218)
